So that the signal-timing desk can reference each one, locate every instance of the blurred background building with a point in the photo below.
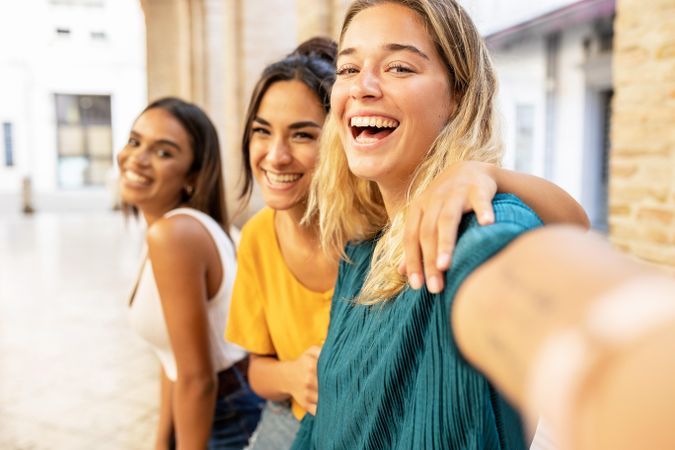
(72, 78)
(86, 67)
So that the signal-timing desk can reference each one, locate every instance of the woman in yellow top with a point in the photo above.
(281, 298)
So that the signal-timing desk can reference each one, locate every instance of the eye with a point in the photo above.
(303, 136)
(399, 68)
(260, 131)
(346, 69)
(133, 142)
(162, 153)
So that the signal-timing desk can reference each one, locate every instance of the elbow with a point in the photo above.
(254, 380)
(201, 385)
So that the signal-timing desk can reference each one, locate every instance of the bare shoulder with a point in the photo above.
(179, 235)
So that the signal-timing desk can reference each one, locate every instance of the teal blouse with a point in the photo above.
(391, 376)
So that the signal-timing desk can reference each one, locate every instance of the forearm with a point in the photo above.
(269, 377)
(540, 284)
(165, 422)
(549, 284)
(549, 201)
(194, 400)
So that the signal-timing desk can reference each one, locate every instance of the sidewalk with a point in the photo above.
(72, 374)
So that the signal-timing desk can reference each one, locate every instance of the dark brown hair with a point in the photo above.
(312, 63)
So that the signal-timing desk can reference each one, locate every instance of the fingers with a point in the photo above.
(448, 224)
(314, 351)
(481, 203)
(412, 262)
(428, 243)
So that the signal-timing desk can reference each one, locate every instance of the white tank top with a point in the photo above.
(147, 317)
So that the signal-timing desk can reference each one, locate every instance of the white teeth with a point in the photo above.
(283, 177)
(373, 121)
(136, 177)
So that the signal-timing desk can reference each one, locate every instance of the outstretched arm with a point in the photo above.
(432, 222)
(570, 329)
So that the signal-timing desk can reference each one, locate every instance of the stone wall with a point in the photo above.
(642, 168)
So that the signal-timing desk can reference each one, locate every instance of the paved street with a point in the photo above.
(72, 374)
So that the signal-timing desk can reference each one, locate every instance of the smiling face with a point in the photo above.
(284, 144)
(155, 162)
(391, 97)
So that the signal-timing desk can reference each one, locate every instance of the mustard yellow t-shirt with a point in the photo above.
(271, 312)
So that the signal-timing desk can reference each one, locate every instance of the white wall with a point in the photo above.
(40, 63)
(522, 80)
(521, 69)
(494, 15)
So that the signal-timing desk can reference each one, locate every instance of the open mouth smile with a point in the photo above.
(136, 178)
(371, 129)
(281, 178)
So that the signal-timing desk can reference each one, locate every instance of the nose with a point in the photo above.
(139, 156)
(366, 84)
(279, 153)
(133, 156)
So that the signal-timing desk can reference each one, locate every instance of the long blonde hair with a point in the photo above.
(351, 209)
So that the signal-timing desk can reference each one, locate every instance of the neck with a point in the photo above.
(153, 214)
(288, 221)
(394, 199)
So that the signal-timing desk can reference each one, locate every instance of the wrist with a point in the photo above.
(580, 357)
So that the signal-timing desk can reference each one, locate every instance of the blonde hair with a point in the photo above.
(351, 209)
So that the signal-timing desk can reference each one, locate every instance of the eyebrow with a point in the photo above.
(293, 126)
(390, 47)
(159, 141)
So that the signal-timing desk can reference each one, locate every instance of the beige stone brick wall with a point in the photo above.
(642, 167)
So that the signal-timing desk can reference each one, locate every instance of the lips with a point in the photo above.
(369, 129)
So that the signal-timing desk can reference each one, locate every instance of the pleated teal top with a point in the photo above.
(391, 376)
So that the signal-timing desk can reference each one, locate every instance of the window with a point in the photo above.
(84, 139)
(524, 137)
(8, 144)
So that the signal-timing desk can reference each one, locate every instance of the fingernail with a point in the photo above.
(434, 284)
(443, 261)
(486, 218)
(415, 281)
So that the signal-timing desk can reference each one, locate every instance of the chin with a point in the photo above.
(365, 171)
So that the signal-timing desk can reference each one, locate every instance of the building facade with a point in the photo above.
(577, 110)
(72, 79)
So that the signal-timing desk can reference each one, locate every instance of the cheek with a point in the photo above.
(256, 153)
(121, 157)
(338, 97)
(308, 156)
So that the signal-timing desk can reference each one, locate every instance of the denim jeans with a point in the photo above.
(277, 428)
(235, 418)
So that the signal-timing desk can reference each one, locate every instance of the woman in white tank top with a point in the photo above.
(171, 174)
